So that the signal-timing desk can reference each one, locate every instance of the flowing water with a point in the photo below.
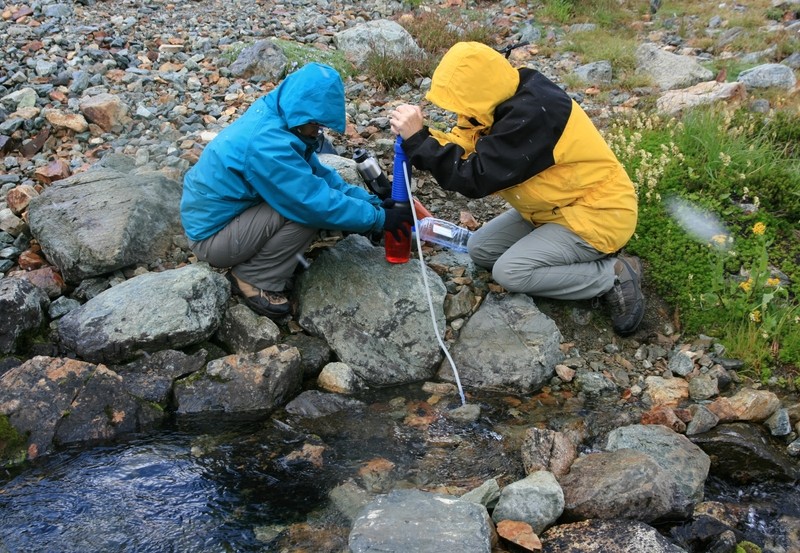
(262, 483)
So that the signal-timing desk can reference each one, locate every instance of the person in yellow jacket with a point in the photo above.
(520, 136)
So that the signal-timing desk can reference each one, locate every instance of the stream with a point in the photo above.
(225, 483)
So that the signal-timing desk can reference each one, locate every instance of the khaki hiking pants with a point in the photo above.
(260, 246)
(548, 261)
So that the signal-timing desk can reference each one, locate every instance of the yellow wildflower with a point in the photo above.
(773, 281)
(755, 316)
(759, 228)
(746, 285)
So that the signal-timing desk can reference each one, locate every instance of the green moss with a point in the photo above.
(301, 54)
(12, 444)
(747, 547)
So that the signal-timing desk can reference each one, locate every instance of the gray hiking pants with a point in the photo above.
(260, 246)
(548, 261)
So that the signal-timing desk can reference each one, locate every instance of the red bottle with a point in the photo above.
(398, 251)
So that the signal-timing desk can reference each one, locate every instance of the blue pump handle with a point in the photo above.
(399, 190)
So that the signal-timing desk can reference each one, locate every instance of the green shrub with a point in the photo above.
(720, 261)
(391, 71)
(436, 31)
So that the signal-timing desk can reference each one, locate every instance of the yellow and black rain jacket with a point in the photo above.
(521, 136)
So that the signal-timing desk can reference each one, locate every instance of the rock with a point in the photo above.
(140, 215)
(243, 331)
(745, 405)
(687, 463)
(314, 403)
(66, 401)
(22, 310)
(384, 37)
(339, 378)
(548, 450)
(669, 70)
(411, 520)
(19, 197)
(259, 381)
(519, 533)
(767, 76)
(606, 536)
(514, 325)
(99, 331)
(381, 330)
(105, 110)
(744, 453)
(53, 171)
(618, 484)
(537, 500)
(264, 59)
(709, 92)
(72, 121)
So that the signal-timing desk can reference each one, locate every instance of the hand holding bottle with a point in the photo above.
(398, 218)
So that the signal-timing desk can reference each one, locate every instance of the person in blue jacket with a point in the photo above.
(257, 196)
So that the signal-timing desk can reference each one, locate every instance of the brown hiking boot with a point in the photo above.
(263, 302)
(626, 298)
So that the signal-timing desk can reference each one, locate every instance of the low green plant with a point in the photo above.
(747, 547)
(731, 166)
(560, 11)
(755, 313)
(391, 71)
(616, 47)
(436, 31)
(234, 50)
(12, 444)
(301, 54)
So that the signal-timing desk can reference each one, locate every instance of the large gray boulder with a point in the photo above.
(688, 464)
(513, 326)
(96, 222)
(668, 70)
(381, 36)
(768, 75)
(148, 313)
(263, 59)
(373, 314)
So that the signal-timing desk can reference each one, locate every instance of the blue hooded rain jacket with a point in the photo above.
(258, 159)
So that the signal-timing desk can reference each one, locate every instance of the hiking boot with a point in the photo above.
(625, 298)
(263, 302)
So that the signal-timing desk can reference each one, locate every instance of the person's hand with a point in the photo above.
(406, 120)
(398, 218)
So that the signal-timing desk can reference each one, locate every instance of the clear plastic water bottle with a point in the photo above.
(443, 233)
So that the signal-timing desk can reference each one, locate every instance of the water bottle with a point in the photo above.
(399, 251)
(370, 171)
(443, 233)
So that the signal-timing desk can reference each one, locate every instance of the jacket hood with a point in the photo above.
(312, 94)
(471, 80)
